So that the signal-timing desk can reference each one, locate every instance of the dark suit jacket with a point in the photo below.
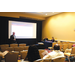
(12, 39)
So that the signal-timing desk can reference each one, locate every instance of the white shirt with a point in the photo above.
(14, 37)
(54, 54)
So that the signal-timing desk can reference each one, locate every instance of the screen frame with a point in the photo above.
(9, 33)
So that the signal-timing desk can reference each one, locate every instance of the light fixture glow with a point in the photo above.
(46, 14)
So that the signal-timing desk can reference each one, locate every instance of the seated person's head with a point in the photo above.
(52, 38)
(56, 47)
(33, 53)
(73, 45)
(45, 37)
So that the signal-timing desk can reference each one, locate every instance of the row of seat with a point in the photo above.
(14, 48)
(13, 57)
(12, 45)
(63, 46)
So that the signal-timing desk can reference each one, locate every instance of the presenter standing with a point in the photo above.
(13, 38)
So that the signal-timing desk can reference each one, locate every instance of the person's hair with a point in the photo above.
(33, 53)
(56, 47)
(52, 37)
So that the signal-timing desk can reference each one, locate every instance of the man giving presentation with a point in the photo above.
(13, 38)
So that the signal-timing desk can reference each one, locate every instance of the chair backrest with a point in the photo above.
(61, 59)
(63, 42)
(73, 50)
(23, 54)
(70, 45)
(4, 45)
(3, 49)
(23, 45)
(67, 42)
(13, 45)
(53, 44)
(40, 53)
(26, 47)
(11, 57)
(65, 46)
(18, 48)
(61, 46)
(7, 48)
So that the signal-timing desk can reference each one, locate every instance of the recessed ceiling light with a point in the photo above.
(46, 14)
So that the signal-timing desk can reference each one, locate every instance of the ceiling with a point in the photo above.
(43, 14)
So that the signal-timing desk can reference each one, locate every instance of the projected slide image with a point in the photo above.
(22, 29)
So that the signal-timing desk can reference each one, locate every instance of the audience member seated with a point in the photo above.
(73, 45)
(53, 39)
(3, 53)
(45, 39)
(56, 53)
(56, 47)
(33, 53)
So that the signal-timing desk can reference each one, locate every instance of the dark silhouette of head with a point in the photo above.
(33, 53)
(56, 47)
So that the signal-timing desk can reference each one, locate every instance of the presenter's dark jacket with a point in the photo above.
(12, 39)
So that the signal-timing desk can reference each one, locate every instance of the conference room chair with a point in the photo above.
(4, 45)
(18, 48)
(12, 57)
(40, 53)
(7, 48)
(26, 47)
(22, 45)
(68, 50)
(61, 46)
(60, 59)
(72, 53)
(70, 45)
(63, 42)
(13, 45)
(67, 42)
(53, 44)
(65, 46)
(23, 54)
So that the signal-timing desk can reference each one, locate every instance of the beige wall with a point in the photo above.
(60, 26)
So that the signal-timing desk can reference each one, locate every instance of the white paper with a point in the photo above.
(44, 53)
